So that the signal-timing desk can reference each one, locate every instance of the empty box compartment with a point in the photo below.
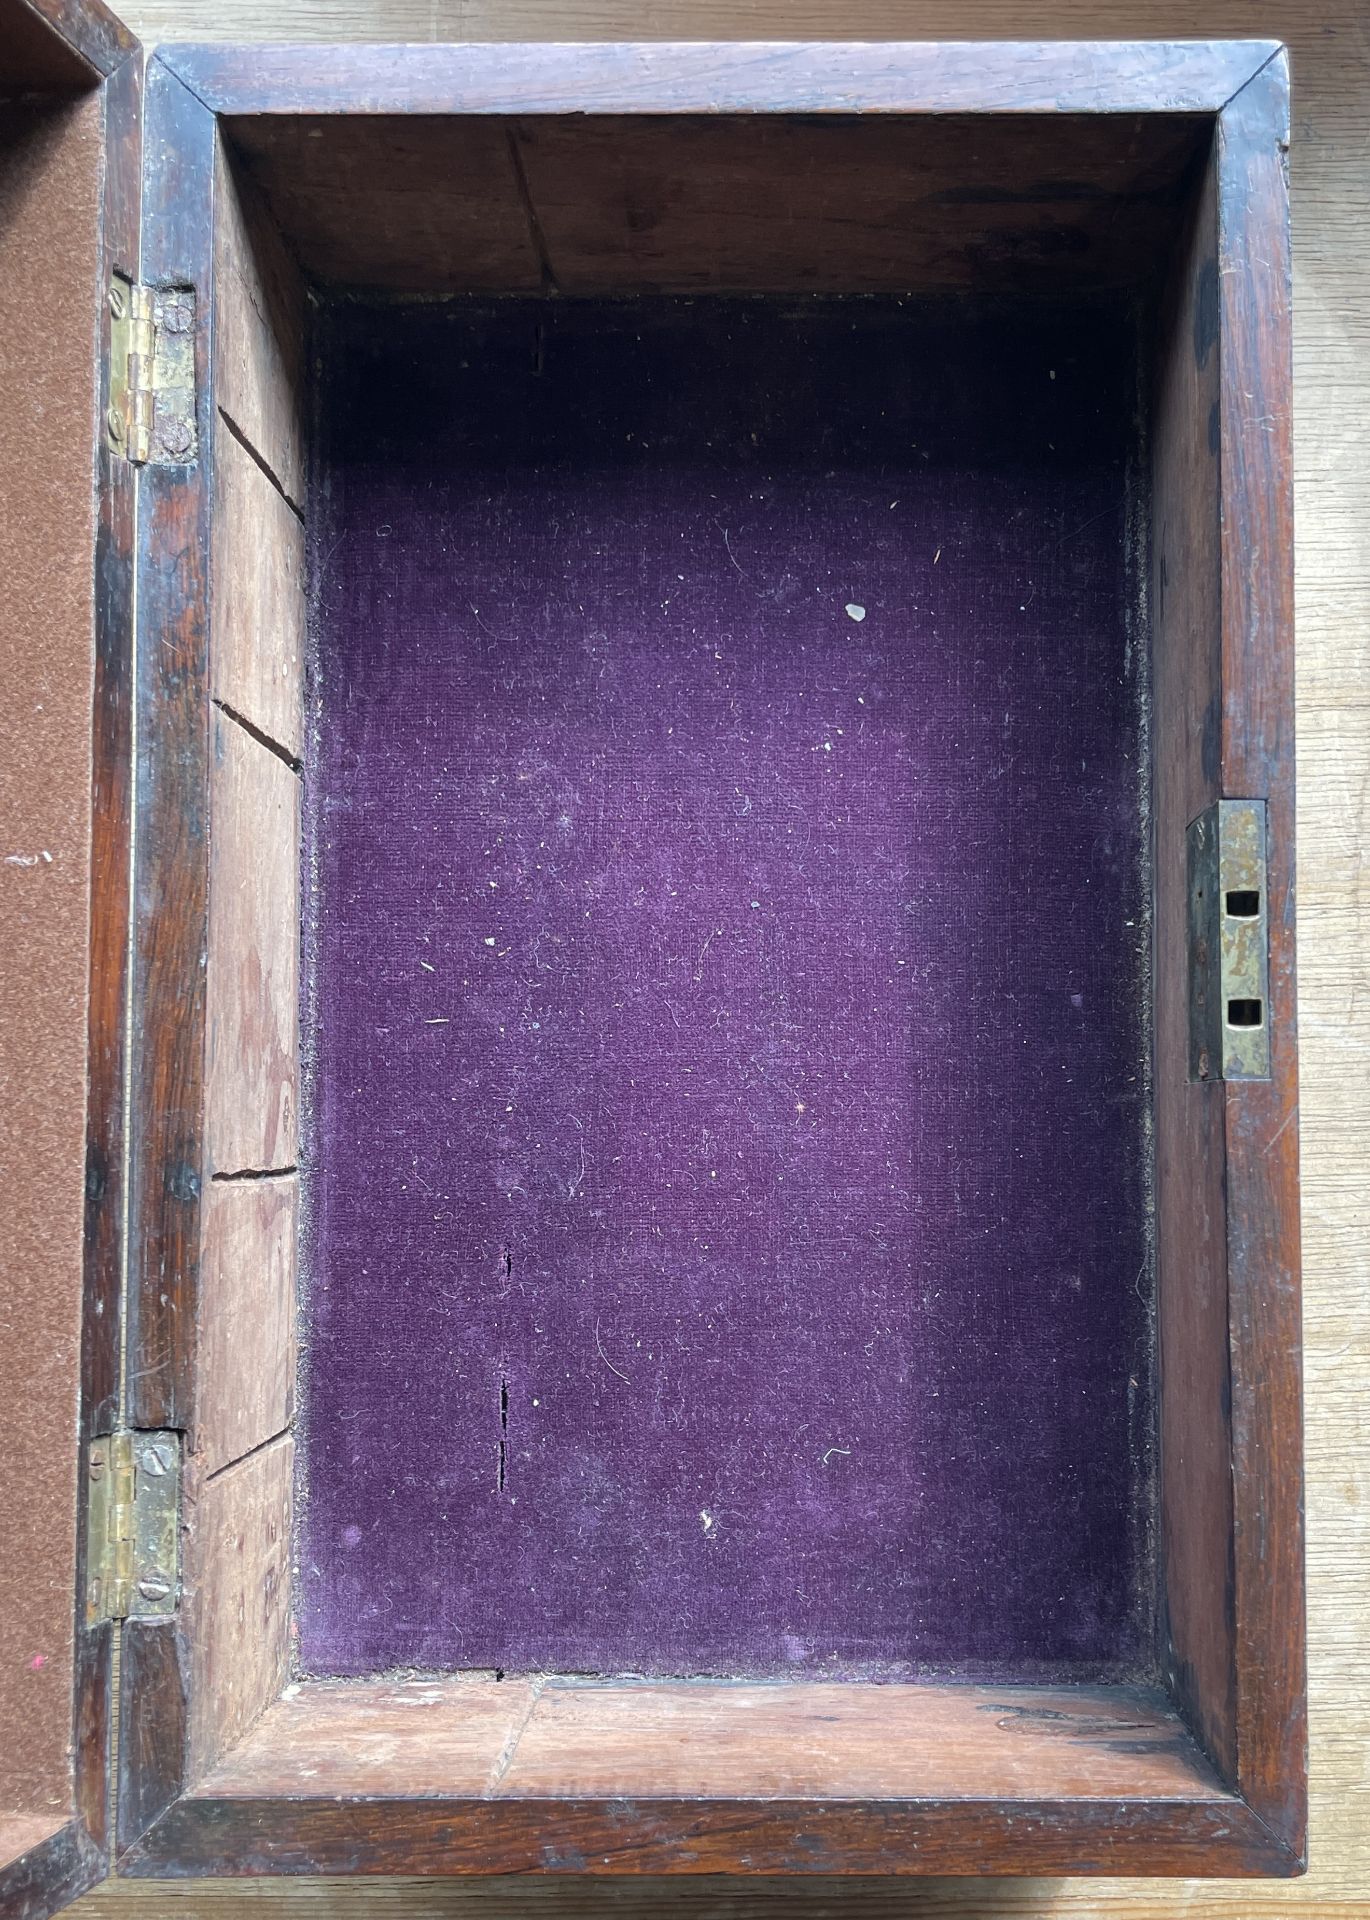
(691, 1167)
(727, 1195)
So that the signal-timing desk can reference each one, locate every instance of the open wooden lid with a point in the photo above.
(68, 96)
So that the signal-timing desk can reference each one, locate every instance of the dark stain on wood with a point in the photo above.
(1206, 313)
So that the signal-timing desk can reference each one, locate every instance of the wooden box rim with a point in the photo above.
(1250, 1821)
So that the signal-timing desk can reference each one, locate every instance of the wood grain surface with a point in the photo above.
(1196, 1492)
(721, 202)
(553, 1737)
(1330, 43)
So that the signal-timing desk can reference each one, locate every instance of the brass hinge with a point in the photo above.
(150, 414)
(1229, 944)
(133, 1526)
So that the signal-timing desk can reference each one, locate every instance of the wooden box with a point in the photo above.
(214, 257)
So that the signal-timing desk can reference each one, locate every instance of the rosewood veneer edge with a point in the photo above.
(482, 1836)
(94, 36)
(1261, 1117)
(68, 1863)
(171, 773)
(686, 76)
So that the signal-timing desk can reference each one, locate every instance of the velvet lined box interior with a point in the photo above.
(640, 1150)
(726, 929)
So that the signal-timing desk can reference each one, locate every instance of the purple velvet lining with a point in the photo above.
(727, 1176)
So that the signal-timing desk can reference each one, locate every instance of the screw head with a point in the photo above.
(175, 436)
(156, 1460)
(118, 306)
(154, 1586)
(114, 420)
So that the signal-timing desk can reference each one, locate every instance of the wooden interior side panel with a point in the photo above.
(258, 576)
(236, 1606)
(651, 203)
(247, 1317)
(888, 204)
(252, 969)
(211, 1341)
(258, 331)
(235, 1625)
(476, 1776)
(551, 1739)
(1196, 1456)
(414, 205)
